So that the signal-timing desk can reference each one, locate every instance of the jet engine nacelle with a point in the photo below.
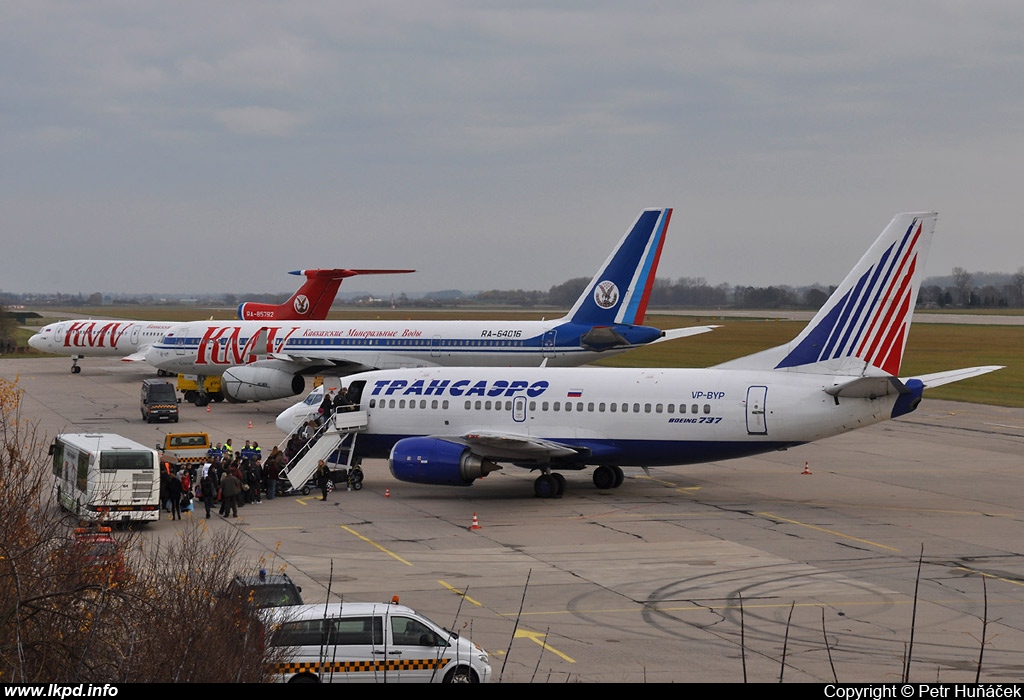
(425, 460)
(260, 384)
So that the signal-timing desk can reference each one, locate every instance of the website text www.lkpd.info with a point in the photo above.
(61, 690)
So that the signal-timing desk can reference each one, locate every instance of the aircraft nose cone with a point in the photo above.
(36, 341)
(284, 422)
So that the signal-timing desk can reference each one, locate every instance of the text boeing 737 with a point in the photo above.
(130, 339)
(452, 426)
(264, 361)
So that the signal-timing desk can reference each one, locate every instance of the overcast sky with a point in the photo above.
(214, 146)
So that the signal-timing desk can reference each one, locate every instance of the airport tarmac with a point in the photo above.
(708, 573)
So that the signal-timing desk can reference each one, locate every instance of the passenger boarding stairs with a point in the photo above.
(337, 433)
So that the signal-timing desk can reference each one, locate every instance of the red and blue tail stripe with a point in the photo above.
(870, 319)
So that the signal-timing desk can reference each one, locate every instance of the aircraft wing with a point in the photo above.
(674, 333)
(137, 356)
(954, 375)
(341, 363)
(516, 448)
(306, 365)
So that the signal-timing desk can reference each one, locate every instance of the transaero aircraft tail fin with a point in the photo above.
(620, 290)
(862, 329)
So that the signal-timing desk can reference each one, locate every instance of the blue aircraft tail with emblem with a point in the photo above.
(313, 299)
(619, 292)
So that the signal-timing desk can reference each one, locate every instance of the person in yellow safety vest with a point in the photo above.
(229, 451)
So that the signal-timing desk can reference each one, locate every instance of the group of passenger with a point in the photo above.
(306, 435)
(300, 441)
(175, 489)
(234, 478)
(335, 404)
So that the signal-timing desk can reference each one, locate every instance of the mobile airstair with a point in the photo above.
(337, 434)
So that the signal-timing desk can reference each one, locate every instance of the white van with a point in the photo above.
(369, 643)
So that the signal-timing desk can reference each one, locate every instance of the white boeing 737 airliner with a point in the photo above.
(261, 361)
(454, 425)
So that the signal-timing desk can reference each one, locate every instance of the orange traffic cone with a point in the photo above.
(207, 408)
(807, 468)
(250, 425)
(476, 524)
(387, 493)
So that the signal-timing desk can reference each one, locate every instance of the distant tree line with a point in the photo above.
(960, 289)
(980, 290)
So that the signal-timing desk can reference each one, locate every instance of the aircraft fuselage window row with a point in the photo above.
(556, 406)
(401, 403)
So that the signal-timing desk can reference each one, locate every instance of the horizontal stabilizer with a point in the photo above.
(931, 381)
(675, 333)
(867, 388)
(601, 338)
(344, 273)
(874, 387)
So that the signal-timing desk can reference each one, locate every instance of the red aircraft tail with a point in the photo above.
(313, 299)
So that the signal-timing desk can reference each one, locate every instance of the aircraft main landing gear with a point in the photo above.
(201, 399)
(549, 485)
(608, 477)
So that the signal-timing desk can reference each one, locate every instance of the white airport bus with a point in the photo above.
(102, 476)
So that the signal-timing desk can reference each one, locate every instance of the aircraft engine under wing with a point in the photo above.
(458, 461)
(256, 383)
(429, 460)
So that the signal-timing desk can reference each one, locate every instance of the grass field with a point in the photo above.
(932, 347)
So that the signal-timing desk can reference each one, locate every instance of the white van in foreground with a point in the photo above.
(369, 643)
